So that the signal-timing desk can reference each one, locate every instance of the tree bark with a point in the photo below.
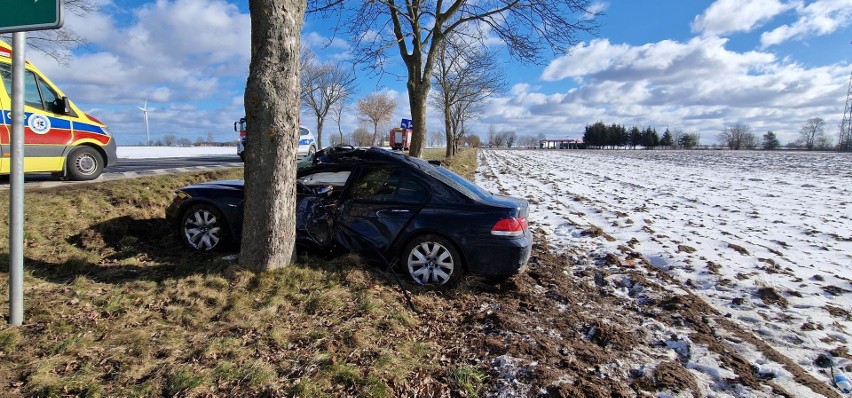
(272, 119)
(418, 117)
(320, 122)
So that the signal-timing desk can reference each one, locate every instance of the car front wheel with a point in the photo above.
(84, 163)
(202, 228)
(433, 260)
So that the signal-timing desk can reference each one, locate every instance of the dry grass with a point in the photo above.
(115, 306)
(464, 163)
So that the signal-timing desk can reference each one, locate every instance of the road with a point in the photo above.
(132, 168)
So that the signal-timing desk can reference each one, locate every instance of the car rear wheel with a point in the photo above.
(203, 228)
(84, 163)
(433, 260)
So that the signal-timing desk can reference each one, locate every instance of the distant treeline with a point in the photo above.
(601, 136)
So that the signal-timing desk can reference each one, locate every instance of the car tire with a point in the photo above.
(84, 163)
(243, 157)
(203, 228)
(432, 260)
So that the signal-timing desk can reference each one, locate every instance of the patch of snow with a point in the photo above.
(147, 152)
(763, 237)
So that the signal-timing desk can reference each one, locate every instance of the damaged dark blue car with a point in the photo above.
(377, 202)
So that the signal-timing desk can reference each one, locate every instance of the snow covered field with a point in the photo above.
(764, 237)
(145, 152)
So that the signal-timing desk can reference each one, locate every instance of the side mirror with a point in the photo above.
(235, 126)
(66, 106)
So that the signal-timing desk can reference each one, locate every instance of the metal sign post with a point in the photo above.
(16, 184)
(19, 16)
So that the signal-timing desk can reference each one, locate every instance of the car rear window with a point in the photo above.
(457, 182)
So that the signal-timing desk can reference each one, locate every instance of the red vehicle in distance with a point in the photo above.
(400, 139)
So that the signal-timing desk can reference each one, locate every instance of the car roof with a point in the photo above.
(367, 155)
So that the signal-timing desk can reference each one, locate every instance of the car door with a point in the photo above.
(378, 204)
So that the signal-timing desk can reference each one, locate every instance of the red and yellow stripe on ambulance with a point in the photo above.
(58, 136)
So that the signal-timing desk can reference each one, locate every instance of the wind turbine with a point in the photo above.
(145, 111)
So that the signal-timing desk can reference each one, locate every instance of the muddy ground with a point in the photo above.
(576, 326)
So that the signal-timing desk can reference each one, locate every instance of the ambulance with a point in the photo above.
(58, 137)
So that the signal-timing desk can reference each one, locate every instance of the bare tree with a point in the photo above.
(464, 78)
(436, 138)
(420, 27)
(362, 137)
(337, 116)
(376, 108)
(677, 138)
(738, 136)
(170, 140)
(336, 140)
(511, 137)
(322, 86)
(492, 135)
(473, 141)
(272, 118)
(812, 133)
(499, 139)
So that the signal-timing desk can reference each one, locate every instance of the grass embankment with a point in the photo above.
(115, 306)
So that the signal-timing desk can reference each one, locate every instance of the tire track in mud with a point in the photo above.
(522, 173)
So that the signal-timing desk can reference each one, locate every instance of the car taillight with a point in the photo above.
(510, 227)
(242, 134)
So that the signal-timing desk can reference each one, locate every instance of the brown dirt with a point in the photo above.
(770, 296)
(739, 249)
(568, 335)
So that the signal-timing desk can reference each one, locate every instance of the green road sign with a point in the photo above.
(24, 15)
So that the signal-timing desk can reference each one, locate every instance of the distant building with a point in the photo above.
(562, 144)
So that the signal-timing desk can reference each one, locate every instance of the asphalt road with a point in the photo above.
(132, 168)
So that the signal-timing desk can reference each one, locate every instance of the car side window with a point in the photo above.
(410, 190)
(374, 184)
(387, 185)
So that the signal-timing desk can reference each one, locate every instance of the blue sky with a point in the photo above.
(691, 65)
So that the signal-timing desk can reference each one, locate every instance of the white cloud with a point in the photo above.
(175, 53)
(818, 18)
(730, 16)
(596, 8)
(697, 85)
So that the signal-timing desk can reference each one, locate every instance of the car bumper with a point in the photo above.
(111, 156)
(499, 257)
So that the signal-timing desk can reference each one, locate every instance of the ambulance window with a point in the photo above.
(51, 98)
(31, 95)
(6, 71)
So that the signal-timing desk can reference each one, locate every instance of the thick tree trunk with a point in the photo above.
(272, 118)
(417, 101)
